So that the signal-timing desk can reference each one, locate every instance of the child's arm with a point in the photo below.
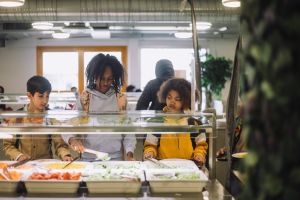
(129, 143)
(201, 148)
(10, 149)
(121, 101)
(150, 146)
(83, 101)
(61, 148)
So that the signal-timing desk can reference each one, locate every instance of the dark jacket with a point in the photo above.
(163, 71)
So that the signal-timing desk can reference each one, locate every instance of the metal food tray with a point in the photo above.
(8, 186)
(119, 186)
(173, 163)
(85, 166)
(117, 165)
(176, 185)
(113, 186)
(52, 186)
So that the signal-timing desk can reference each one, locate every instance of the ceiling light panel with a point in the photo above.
(202, 26)
(60, 35)
(103, 34)
(11, 3)
(224, 28)
(42, 25)
(183, 34)
(231, 3)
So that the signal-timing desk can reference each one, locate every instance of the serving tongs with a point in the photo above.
(158, 163)
(2, 173)
(130, 177)
(99, 155)
(69, 163)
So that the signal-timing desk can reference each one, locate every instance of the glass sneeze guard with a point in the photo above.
(135, 122)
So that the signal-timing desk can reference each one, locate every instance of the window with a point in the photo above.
(65, 66)
(61, 64)
(181, 58)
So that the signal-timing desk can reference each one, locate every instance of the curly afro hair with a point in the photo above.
(96, 68)
(180, 85)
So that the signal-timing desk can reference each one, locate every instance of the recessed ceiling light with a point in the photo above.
(100, 34)
(231, 3)
(11, 3)
(183, 34)
(60, 35)
(42, 25)
(224, 28)
(202, 25)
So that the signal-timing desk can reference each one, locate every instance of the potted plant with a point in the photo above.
(215, 72)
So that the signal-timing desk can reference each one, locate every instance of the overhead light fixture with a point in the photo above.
(42, 25)
(155, 28)
(224, 28)
(183, 34)
(100, 34)
(60, 35)
(11, 3)
(202, 25)
(216, 33)
(231, 3)
(47, 32)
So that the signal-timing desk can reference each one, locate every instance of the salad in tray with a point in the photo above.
(117, 165)
(175, 176)
(115, 174)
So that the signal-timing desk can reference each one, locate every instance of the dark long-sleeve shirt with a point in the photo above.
(149, 95)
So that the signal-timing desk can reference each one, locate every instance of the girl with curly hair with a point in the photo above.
(176, 93)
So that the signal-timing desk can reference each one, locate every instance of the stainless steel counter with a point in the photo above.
(213, 191)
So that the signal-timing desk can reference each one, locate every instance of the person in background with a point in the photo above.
(72, 106)
(22, 147)
(3, 106)
(176, 93)
(105, 76)
(130, 88)
(74, 89)
(163, 71)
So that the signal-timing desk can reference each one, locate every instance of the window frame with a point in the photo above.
(80, 50)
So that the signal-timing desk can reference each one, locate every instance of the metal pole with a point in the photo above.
(196, 71)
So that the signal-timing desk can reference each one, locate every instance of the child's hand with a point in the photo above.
(150, 154)
(67, 158)
(76, 145)
(23, 157)
(85, 100)
(200, 159)
(222, 153)
(130, 156)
